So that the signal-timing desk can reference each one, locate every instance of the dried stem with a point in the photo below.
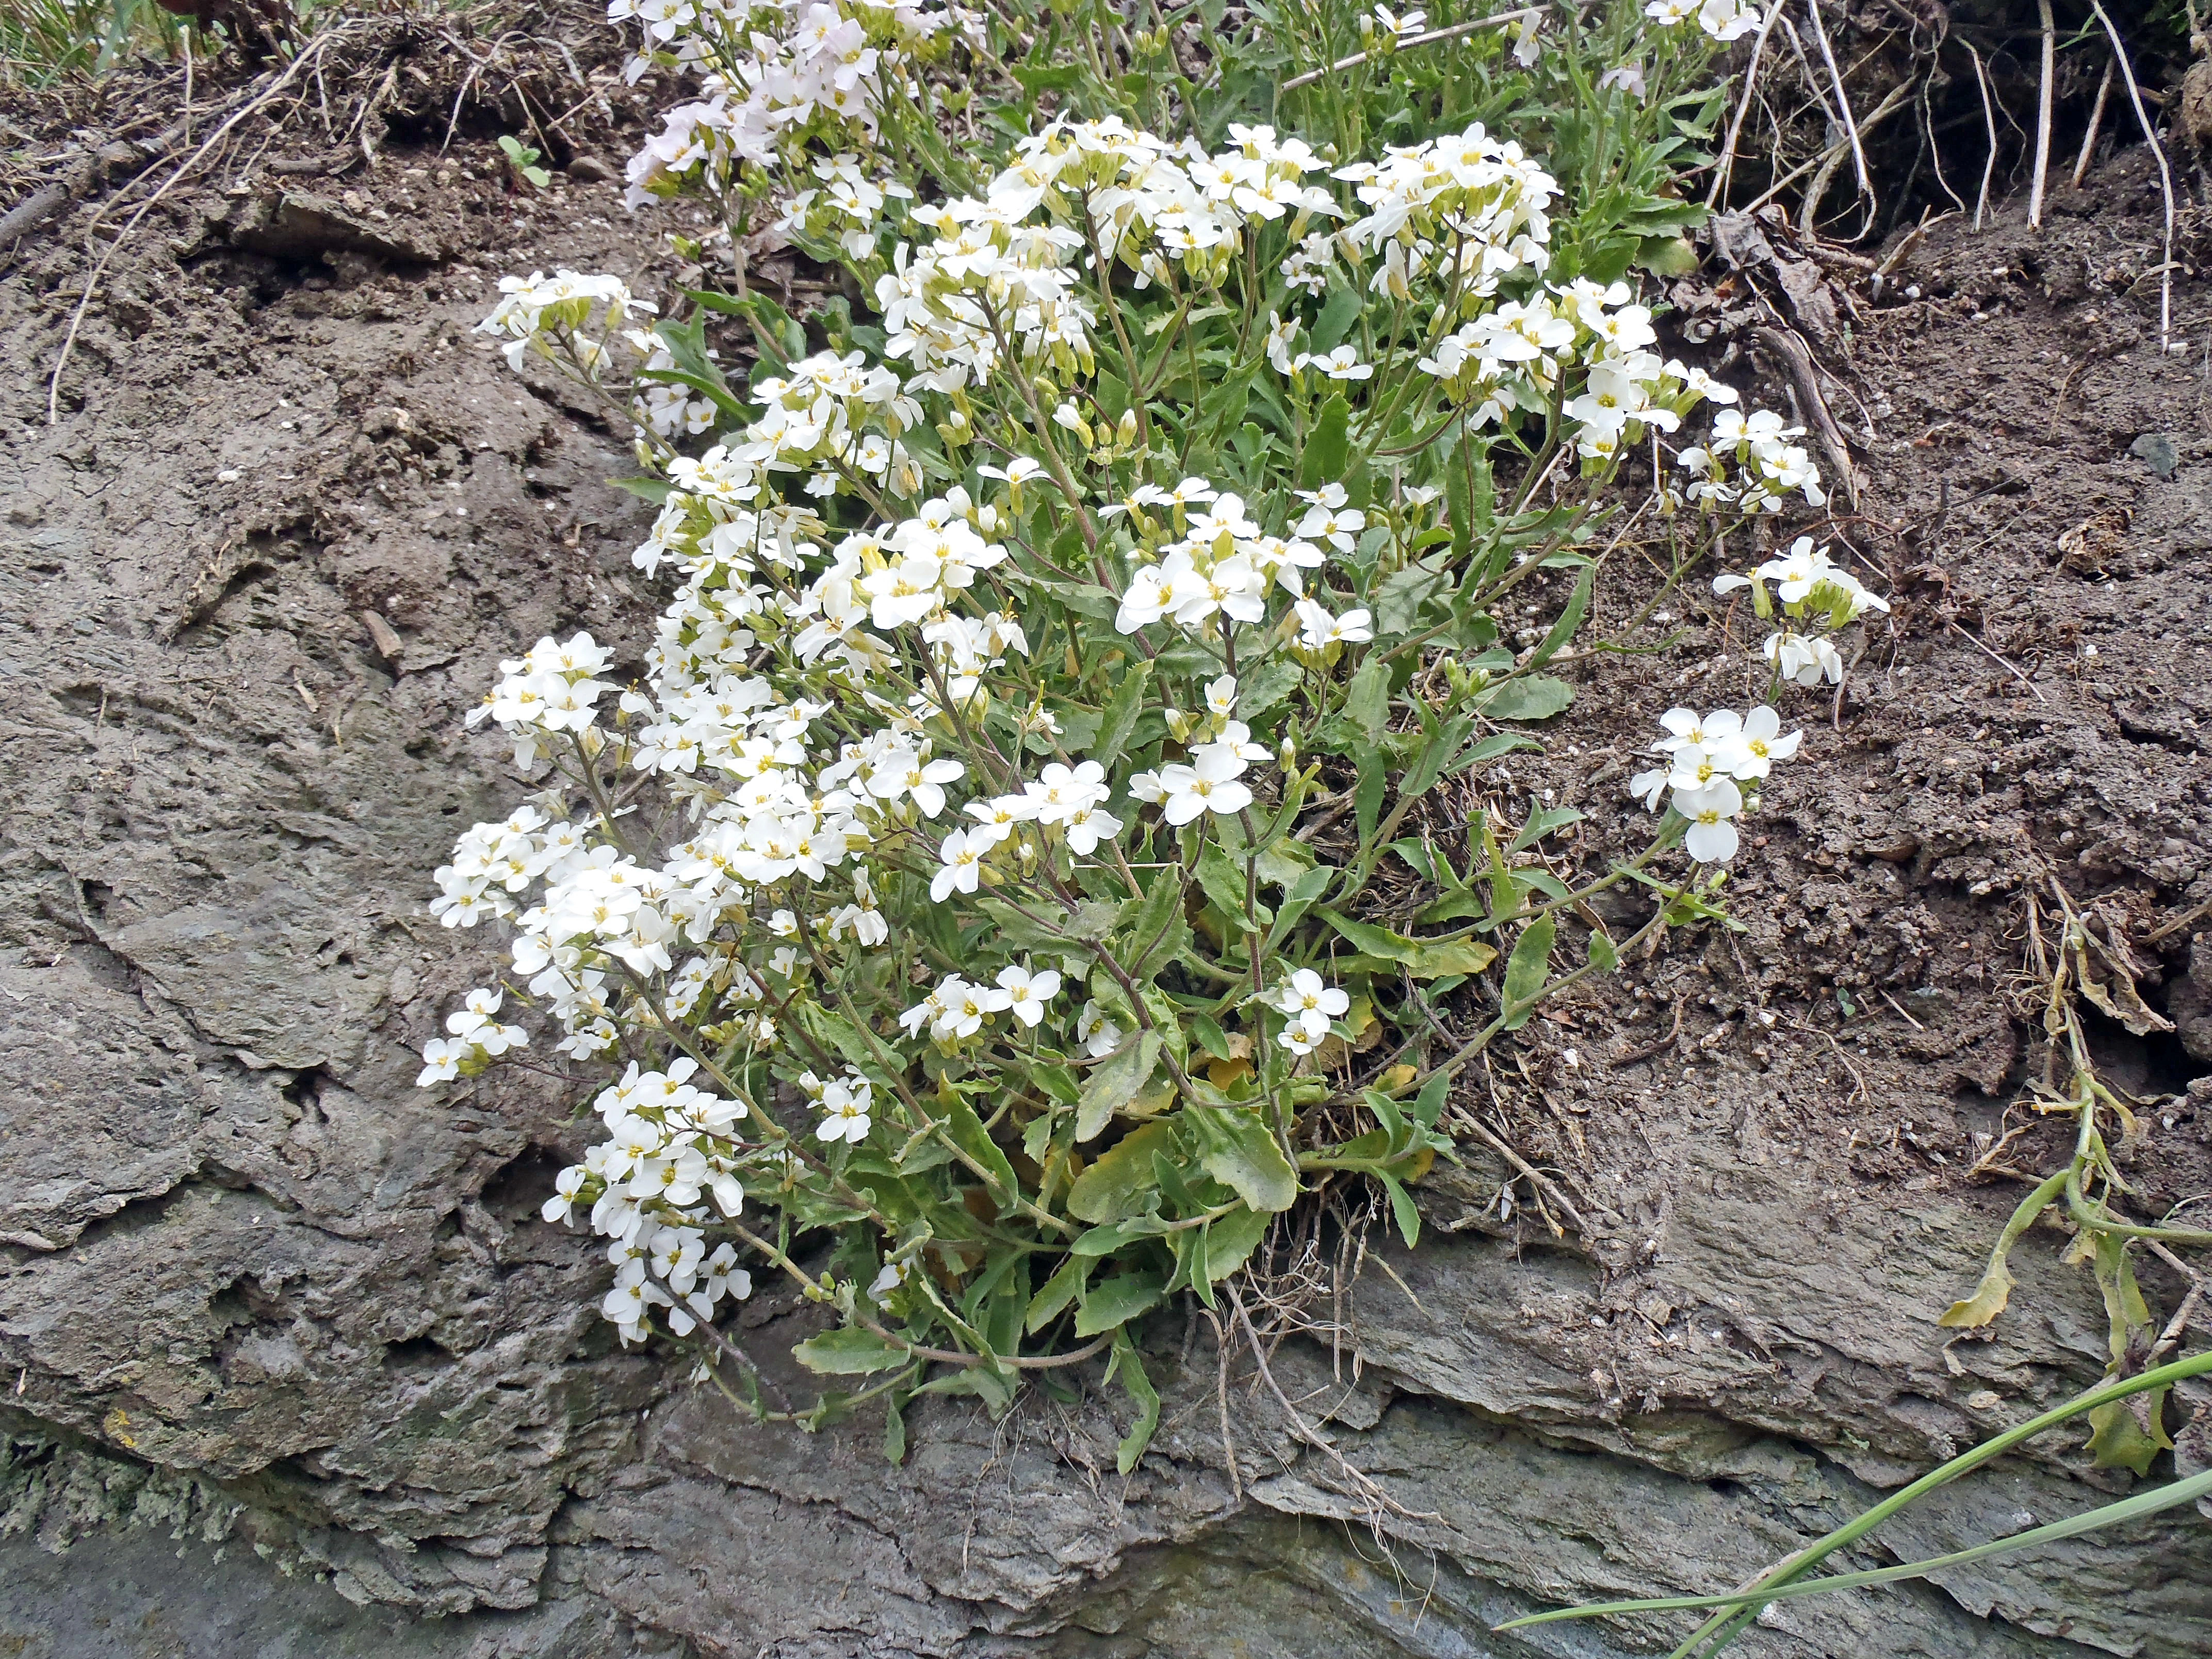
(2164, 171)
(2043, 116)
(1990, 120)
(2096, 121)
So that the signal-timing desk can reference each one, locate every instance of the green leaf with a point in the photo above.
(1084, 599)
(1338, 313)
(1373, 783)
(1230, 1240)
(1541, 823)
(1015, 929)
(1120, 718)
(1055, 77)
(2126, 1433)
(655, 490)
(1990, 1296)
(1429, 1104)
(1114, 1085)
(1499, 743)
(849, 1351)
(1435, 755)
(1149, 926)
(1131, 1370)
(1527, 969)
(1120, 1182)
(1570, 619)
(1329, 446)
(1239, 1151)
(1112, 1302)
(1283, 860)
(1105, 1240)
(1538, 697)
(1401, 1209)
(1399, 599)
(832, 1030)
(1367, 700)
(1265, 687)
(1210, 1037)
(968, 1133)
(1421, 958)
(1304, 891)
(1604, 954)
(1223, 879)
(1058, 1290)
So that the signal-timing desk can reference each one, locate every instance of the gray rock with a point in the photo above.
(2157, 451)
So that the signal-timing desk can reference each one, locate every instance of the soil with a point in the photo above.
(292, 1366)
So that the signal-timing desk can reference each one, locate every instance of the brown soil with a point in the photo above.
(255, 1288)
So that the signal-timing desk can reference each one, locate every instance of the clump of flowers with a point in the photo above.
(1711, 760)
(970, 871)
(1817, 597)
(1750, 466)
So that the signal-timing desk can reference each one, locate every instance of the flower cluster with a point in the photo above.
(538, 314)
(954, 1010)
(956, 808)
(1817, 597)
(1750, 464)
(1723, 20)
(476, 1039)
(670, 1150)
(774, 78)
(1308, 1006)
(1709, 760)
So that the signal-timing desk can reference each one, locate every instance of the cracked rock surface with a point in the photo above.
(289, 1366)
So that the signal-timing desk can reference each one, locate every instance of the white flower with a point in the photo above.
(1305, 992)
(1341, 364)
(1027, 992)
(1084, 830)
(1805, 659)
(1711, 837)
(845, 1114)
(1061, 792)
(1317, 630)
(567, 1187)
(1752, 750)
(1211, 786)
(962, 867)
(441, 1061)
(1305, 1032)
(1096, 1029)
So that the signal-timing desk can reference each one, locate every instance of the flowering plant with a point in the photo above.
(973, 885)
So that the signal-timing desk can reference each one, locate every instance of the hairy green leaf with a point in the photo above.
(849, 1351)
(1114, 1085)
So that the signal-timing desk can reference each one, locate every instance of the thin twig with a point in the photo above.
(1376, 1501)
(1881, 113)
(1411, 41)
(2043, 116)
(2096, 120)
(1998, 660)
(1543, 1183)
(1844, 104)
(1720, 174)
(2164, 173)
(1990, 120)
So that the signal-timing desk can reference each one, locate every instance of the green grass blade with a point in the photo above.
(1717, 1631)
(2108, 1514)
